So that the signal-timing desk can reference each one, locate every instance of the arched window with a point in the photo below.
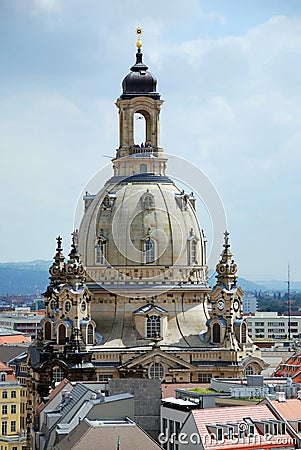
(153, 327)
(148, 202)
(90, 334)
(47, 331)
(149, 250)
(156, 370)
(143, 168)
(216, 333)
(57, 375)
(3, 376)
(101, 251)
(139, 129)
(62, 334)
(243, 333)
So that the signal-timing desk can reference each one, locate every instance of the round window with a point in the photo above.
(52, 304)
(68, 306)
(156, 370)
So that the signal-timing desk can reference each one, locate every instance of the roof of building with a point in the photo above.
(290, 409)
(104, 434)
(13, 339)
(10, 376)
(291, 367)
(241, 416)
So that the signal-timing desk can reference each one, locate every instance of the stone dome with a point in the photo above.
(142, 221)
(139, 81)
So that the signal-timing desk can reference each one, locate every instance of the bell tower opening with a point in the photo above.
(139, 129)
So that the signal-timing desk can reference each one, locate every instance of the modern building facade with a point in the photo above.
(269, 325)
(133, 299)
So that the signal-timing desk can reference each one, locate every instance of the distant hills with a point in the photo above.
(26, 278)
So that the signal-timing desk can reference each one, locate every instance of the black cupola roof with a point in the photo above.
(139, 82)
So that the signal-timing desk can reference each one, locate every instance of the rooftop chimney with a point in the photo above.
(280, 397)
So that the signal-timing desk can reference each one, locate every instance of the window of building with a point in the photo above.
(153, 326)
(14, 447)
(68, 306)
(4, 394)
(156, 370)
(251, 430)
(57, 374)
(13, 394)
(90, 334)
(143, 168)
(266, 428)
(4, 427)
(3, 376)
(62, 334)
(250, 370)
(243, 333)
(47, 331)
(219, 434)
(230, 433)
(104, 378)
(204, 377)
(193, 252)
(149, 250)
(101, 251)
(216, 333)
(12, 426)
(283, 428)
(4, 410)
(13, 409)
(275, 428)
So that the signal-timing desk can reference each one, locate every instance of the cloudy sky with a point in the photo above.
(230, 74)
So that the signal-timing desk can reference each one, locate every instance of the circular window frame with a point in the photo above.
(158, 377)
(67, 306)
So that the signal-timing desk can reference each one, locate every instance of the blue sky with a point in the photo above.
(229, 72)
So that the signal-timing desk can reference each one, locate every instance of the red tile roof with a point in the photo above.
(290, 409)
(291, 367)
(237, 415)
(14, 339)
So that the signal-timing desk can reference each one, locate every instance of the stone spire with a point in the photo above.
(226, 268)
(74, 269)
(58, 270)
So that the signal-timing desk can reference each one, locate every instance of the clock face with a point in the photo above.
(220, 305)
(236, 305)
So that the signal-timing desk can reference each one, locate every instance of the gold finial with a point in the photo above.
(139, 32)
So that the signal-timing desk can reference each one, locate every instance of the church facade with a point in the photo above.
(132, 300)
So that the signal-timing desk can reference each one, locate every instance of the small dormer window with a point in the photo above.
(148, 201)
(230, 433)
(153, 326)
(101, 247)
(219, 434)
(192, 249)
(3, 376)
